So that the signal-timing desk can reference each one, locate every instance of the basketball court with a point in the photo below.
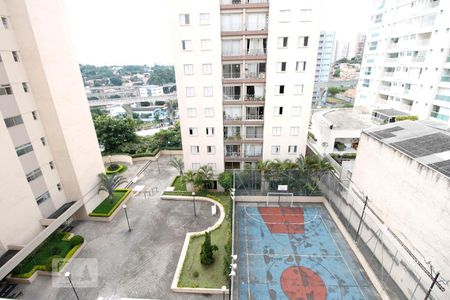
(295, 251)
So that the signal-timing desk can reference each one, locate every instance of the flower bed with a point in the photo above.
(106, 208)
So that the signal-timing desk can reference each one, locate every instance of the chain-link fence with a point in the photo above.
(401, 273)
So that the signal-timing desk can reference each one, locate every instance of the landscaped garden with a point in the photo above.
(115, 168)
(57, 246)
(108, 206)
(179, 184)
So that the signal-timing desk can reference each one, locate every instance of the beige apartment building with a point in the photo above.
(48, 148)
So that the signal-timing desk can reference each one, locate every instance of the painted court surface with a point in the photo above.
(295, 253)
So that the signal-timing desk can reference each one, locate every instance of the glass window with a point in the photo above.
(188, 69)
(298, 89)
(190, 91)
(211, 149)
(279, 90)
(193, 131)
(305, 15)
(281, 66)
(209, 131)
(184, 19)
(34, 174)
(42, 198)
(204, 19)
(15, 55)
(195, 149)
(276, 149)
(276, 131)
(206, 44)
(5, 90)
(294, 131)
(192, 112)
(207, 91)
(278, 111)
(24, 149)
(13, 121)
(206, 69)
(209, 112)
(282, 42)
(296, 110)
(5, 22)
(303, 41)
(186, 45)
(292, 149)
(300, 66)
(285, 15)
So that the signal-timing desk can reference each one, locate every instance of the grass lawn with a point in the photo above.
(56, 244)
(332, 100)
(211, 276)
(106, 208)
(179, 184)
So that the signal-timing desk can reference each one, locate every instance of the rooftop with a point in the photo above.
(391, 112)
(347, 119)
(427, 145)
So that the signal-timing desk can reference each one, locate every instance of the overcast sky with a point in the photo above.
(108, 32)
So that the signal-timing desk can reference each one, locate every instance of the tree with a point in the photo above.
(207, 252)
(189, 178)
(160, 75)
(109, 183)
(226, 180)
(177, 163)
(332, 91)
(113, 132)
(337, 73)
(115, 80)
(204, 175)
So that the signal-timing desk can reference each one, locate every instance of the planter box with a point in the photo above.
(116, 211)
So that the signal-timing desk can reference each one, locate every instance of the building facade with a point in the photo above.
(49, 149)
(406, 63)
(245, 73)
(324, 63)
(359, 46)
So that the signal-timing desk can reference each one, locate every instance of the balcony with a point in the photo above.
(232, 117)
(255, 155)
(418, 59)
(232, 154)
(437, 115)
(247, 54)
(445, 78)
(248, 29)
(248, 77)
(242, 99)
(388, 74)
(385, 88)
(233, 4)
(254, 117)
(391, 59)
(232, 138)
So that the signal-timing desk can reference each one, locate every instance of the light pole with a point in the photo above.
(109, 159)
(193, 198)
(126, 215)
(67, 275)
(170, 154)
(224, 289)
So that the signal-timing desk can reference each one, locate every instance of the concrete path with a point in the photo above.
(140, 263)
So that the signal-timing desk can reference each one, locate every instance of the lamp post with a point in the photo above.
(126, 215)
(224, 289)
(170, 154)
(109, 159)
(193, 198)
(67, 275)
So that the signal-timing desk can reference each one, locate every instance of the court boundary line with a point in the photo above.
(345, 261)
(316, 215)
(246, 256)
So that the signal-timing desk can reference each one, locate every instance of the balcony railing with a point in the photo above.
(255, 75)
(232, 97)
(232, 154)
(238, 97)
(418, 59)
(254, 117)
(232, 117)
(236, 137)
(252, 155)
(231, 75)
(233, 27)
(389, 74)
(238, 2)
(254, 136)
(256, 52)
(385, 87)
(246, 52)
(391, 59)
(445, 78)
(435, 114)
(254, 98)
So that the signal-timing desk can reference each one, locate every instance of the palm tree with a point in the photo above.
(177, 163)
(109, 183)
(205, 174)
(189, 178)
(264, 167)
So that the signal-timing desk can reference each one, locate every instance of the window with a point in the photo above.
(278, 111)
(212, 166)
(282, 42)
(207, 91)
(206, 69)
(305, 15)
(209, 112)
(192, 112)
(294, 131)
(184, 19)
(34, 174)
(25, 87)
(296, 110)
(300, 66)
(24, 149)
(188, 69)
(190, 91)
(276, 149)
(206, 44)
(186, 45)
(45, 196)
(43, 141)
(298, 89)
(303, 41)
(52, 165)
(193, 131)
(209, 131)
(292, 149)
(204, 19)
(58, 186)
(13, 121)
(211, 149)
(279, 90)
(285, 15)
(195, 166)
(5, 22)
(34, 114)
(5, 90)
(366, 83)
(276, 131)
(281, 66)
(195, 149)
(15, 55)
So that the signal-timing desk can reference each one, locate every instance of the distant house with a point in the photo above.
(155, 90)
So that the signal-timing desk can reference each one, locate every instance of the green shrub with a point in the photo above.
(55, 250)
(312, 136)
(227, 258)
(226, 180)
(403, 118)
(76, 240)
(195, 274)
(50, 264)
(206, 254)
(113, 167)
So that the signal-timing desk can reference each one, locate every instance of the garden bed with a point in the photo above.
(178, 184)
(106, 208)
(119, 169)
(60, 245)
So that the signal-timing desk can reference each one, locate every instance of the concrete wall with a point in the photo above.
(413, 199)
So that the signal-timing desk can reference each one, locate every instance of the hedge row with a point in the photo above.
(121, 169)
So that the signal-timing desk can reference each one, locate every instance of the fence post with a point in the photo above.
(360, 219)
(432, 285)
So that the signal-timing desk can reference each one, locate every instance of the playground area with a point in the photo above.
(295, 251)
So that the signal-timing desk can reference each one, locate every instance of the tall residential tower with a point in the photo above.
(245, 77)
(49, 150)
(406, 64)
(324, 63)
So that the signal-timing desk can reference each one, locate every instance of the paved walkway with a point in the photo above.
(140, 263)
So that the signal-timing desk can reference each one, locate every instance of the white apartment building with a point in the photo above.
(245, 77)
(406, 64)
(325, 56)
(49, 151)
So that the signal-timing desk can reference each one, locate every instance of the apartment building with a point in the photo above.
(342, 50)
(359, 45)
(325, 56)
(245, 77)
(406, 64)
(49, 151)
